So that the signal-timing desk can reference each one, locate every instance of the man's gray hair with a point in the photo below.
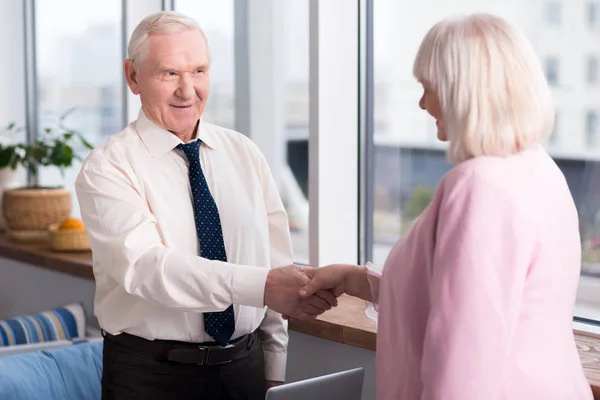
(159, 23)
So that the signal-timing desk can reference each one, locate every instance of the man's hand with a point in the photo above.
(271, 384)
(282, 293)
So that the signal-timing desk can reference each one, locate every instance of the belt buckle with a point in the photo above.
(223, 355)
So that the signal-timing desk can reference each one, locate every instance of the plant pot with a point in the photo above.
(9, 179)
(30, 211)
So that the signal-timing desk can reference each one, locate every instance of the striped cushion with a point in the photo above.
(63, 323)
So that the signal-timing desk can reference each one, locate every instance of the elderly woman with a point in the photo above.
(476, 300)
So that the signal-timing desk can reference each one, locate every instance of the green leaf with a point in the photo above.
(85, 142)
(6, 156)
(57, 155)
(68, 156)
(15, 162)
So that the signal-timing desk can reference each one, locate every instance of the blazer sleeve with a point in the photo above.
(483, 250)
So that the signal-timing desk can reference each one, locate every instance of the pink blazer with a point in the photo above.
(476, 301)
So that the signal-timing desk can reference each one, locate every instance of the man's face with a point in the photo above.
(173, 80)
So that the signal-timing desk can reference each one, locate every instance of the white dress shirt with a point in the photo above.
(136, 204)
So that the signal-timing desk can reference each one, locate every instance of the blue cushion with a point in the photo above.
(63, 323)
(72, 372)
(27, 348)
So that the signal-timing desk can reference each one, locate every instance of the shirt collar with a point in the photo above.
(159, 141)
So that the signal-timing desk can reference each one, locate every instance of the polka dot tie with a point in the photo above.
(218, 325)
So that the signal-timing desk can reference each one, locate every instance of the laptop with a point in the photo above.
(345, 385)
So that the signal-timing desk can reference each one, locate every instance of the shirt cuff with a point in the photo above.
(275, 364)
(374, 278)
(249, 286)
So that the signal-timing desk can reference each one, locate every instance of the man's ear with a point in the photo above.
(131, 76)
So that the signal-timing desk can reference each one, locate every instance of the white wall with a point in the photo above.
(27, 289)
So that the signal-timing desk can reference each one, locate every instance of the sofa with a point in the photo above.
(64, 373)
(50, 355)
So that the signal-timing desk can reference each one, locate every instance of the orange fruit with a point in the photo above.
(72, 223)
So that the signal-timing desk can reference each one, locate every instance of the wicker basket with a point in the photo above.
(67, 239)
(35, 209)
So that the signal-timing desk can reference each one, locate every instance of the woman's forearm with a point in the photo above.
(357, 283)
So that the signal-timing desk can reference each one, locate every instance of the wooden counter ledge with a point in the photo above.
(39, 254)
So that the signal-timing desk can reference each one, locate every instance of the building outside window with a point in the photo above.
(552, 13)
(592, 70)
(551, 66)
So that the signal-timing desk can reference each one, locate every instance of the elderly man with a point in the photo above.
(191, 245)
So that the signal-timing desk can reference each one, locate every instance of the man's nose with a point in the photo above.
(185, 90)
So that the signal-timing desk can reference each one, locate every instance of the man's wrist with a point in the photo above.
(249, 285)
(266, 290)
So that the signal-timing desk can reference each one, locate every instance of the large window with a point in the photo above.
(293, 175)
(78, 71)
(259, 86)
(409, 162)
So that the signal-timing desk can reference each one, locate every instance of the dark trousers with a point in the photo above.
(130, 374)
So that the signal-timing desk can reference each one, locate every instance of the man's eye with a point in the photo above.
(170, 73)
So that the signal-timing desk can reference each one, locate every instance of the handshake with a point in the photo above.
(304, 292)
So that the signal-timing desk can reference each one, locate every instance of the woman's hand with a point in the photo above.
(340, 279)
(337, 279)
(332, 277)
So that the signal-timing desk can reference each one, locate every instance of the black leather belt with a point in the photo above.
(187, 353)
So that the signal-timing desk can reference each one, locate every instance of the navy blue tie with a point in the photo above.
(218, 325)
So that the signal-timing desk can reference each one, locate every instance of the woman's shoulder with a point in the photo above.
(503, 174)
(469, 176)
(477, 170)
(522, 182)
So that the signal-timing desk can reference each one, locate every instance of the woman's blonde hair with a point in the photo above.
(492, 91)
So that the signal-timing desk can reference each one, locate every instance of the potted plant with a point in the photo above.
(28, 211)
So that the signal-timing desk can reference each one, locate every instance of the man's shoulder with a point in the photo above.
(114, 148)
(231, 138)
(222, 132)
